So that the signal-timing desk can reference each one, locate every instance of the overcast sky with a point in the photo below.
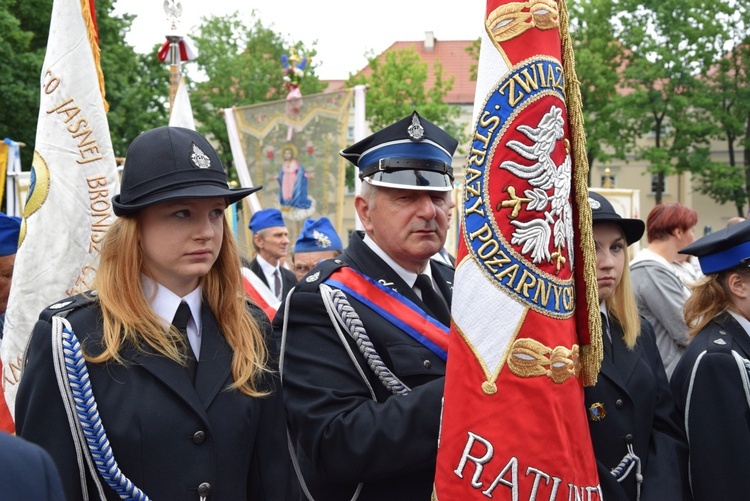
(345, 30)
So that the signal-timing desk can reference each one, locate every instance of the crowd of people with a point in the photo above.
(319, 385)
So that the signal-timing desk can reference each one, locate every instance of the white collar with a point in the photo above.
(164, 302)
(268, 268)
(407, 276)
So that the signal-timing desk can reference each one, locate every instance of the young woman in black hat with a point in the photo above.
(639, 445)
(131, 407)
(711, 384)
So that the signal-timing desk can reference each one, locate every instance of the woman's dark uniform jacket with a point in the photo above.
(718, 424)
(634, 391)
(345, 437)
(167, 436)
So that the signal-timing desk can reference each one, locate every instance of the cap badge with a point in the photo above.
(415, 130)
(594, 204)
(321, 240)
(199, 158)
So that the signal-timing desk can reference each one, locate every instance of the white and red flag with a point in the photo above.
(524, 302)
(73, 178)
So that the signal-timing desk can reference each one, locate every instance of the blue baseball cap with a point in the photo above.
(10, 227)
(318, 236)
(266, 218)
(412, 154)
(723, 249)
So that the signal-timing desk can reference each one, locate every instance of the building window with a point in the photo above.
(608, 181)
(657, 187)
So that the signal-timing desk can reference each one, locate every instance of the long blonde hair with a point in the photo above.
(129, 319)
(622, 306)
(709, 297)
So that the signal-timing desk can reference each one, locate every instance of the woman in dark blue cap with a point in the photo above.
(711, 384)
(639, 445)
(171, 393)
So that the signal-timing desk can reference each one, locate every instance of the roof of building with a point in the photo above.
(453, 56)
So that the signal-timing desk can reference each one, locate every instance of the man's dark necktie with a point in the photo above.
(180, 322)
(606, 340)
(277, 283)
(432, 300)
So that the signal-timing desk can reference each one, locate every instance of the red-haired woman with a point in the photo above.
(658, 287)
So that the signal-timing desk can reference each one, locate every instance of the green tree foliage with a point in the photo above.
(133, 82)
(666, 43)
(22, 56)
(727, 97)
(239, 65)
(599, 56)
(136, 85)
(396, 86)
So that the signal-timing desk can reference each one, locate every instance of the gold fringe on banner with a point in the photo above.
(591, 354)
(95, 50)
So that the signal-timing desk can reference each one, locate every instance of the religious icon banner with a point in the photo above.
(295, 156)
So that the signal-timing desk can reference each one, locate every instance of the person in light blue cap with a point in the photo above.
(271, 241)
(10, 228)
(317, 241)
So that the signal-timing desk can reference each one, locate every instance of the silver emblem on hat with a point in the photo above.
(720, 342)
(415, 130)
(199, 158)
(594, 204)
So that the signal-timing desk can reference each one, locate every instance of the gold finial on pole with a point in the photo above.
(607, 178)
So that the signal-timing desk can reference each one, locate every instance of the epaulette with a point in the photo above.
(63, 307)
(719, 342)
(319, 274)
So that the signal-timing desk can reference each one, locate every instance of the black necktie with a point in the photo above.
(180, 322)
(606, 341)
(432, 300)
(277, 283)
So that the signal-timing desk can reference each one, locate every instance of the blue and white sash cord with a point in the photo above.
(91, 423)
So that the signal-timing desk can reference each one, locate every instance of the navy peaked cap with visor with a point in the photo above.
(412, 154)
(722, 250)
(170, 163)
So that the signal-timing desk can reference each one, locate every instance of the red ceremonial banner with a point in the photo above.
(514, 424)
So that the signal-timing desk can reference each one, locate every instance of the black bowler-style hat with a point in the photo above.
(725, 249)
(603, 212)
(169, 163)
(412, 154)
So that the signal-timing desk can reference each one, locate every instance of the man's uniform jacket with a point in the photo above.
(343, 436)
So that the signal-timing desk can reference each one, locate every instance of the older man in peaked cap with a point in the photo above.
(365, 334)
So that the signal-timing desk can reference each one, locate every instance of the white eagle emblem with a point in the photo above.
(556, 222)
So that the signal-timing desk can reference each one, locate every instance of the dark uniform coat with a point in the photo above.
(173, 440)
(633, 390)
(288, 278)
(27, 472)
(344, 436)
(708, 389)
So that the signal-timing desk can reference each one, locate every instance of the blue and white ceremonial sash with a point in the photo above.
(393, 307)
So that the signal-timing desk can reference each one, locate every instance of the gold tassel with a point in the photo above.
(95, 51)
(591, 355)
